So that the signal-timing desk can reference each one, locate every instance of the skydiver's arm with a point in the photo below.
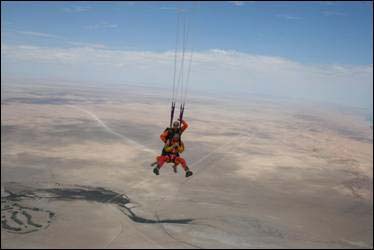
(163, 136)
(184, 125)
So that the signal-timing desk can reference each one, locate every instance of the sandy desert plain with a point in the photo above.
(268, 173)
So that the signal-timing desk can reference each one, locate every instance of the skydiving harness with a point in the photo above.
(170, 154)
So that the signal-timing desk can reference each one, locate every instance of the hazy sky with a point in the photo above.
(313, 50)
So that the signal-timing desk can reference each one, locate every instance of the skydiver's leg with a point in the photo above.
(175, 167)
(184, 165)
(172, 159)
(160, 162)
(155, 163)
(180, 160)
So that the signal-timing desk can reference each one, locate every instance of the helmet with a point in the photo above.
(175, 124)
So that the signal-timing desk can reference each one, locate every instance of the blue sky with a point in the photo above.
(310, 32)
(316, 36)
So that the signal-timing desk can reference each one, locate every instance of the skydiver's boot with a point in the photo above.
(175, 168)
(156, 170)
(188, 172)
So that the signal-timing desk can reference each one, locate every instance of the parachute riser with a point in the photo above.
(180, 120)
(181, 115)
(172, 113)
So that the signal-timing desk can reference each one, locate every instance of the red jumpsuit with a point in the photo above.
(173, 149)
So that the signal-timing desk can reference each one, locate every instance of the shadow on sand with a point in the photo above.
(84, 193)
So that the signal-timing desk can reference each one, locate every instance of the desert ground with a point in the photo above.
(268, 173)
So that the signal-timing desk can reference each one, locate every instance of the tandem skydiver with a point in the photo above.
(172, 148)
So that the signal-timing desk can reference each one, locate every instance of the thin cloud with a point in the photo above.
(75, 9)
(230, 60)
(289, 17)
(38, 34)
(237, 3)
(62, 39)
(333, 13)
(92, 45)
(180, 10)
(168, 8)
(102, 25)
(329, 3)
(216, 68)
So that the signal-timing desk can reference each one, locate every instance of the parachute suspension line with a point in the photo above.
(188, 79)
(181, 68)
(175, 57)
(185, 40)
(184, 98)
(175, 69)
(188, 72)
(182, 73)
